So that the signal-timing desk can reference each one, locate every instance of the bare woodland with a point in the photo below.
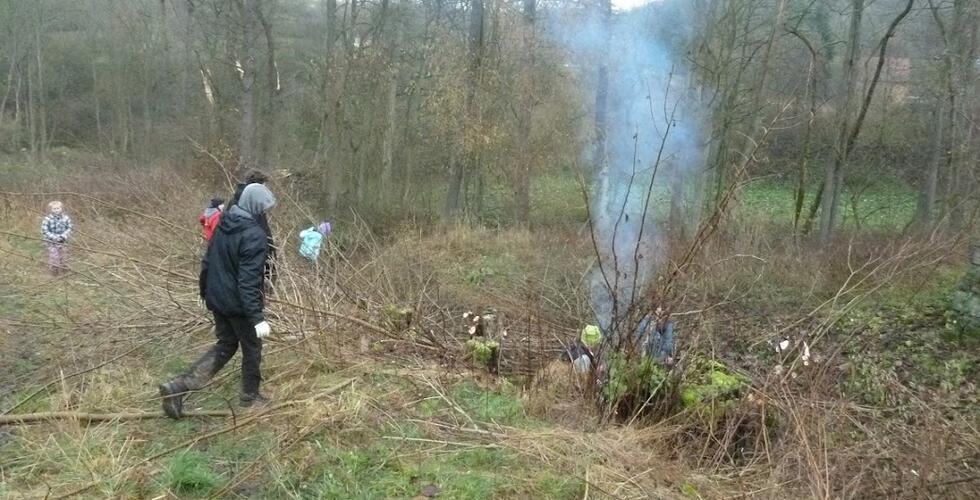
(792, 185)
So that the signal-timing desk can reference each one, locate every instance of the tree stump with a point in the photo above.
(486, 334)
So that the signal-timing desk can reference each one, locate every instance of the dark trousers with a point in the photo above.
(231, 331)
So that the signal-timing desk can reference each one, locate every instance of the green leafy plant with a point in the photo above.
(709, 386)
(478, 274)
(868, 381)
(640, 377)
(481, 351)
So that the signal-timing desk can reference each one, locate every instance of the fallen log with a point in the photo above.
(89, 418)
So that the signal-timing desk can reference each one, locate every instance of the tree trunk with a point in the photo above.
(601, 166)
(391, 110)
(31, 112)
(947, 105)
(188, 66)
(964, 29)
(458, 168)
(480, 190)
(327, 139)
(9, 87)
(927, 189)
(729, 65)
(522, 185)
(833, 178)
(391, 132)
(455, 184)
(760, 86)
(246, 67)
(128, 128)
(413, 104)
(342, 174)
(274, 103)
(849, 134)
(98, 105)
(42, 101)
(40, 118)
(360, 182)
(17, 112)
(147, 114)
(805, 153)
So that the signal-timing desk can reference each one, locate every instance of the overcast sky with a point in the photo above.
(629, 4)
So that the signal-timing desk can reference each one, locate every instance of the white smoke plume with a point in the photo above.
(653, 142)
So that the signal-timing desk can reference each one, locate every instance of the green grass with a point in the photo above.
(556, 200)
(501, 406)
(190, 472)
(889, 204)
(389, 462)
(380, 471)
(38, 403)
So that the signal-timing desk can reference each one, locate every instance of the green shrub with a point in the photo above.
(632, 377)
(709, 387)
(481, 351)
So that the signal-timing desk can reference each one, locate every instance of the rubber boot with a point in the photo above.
(174, 391)
(172, 394)
(255, 401)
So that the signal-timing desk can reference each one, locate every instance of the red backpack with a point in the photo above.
(209, 224)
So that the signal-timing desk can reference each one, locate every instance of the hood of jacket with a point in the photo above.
(256, 199)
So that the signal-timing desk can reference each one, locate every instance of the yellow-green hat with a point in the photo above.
(591, 336)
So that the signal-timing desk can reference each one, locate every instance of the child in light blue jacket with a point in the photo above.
(311, 239)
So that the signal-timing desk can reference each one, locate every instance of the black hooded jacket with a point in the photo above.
(232, 270)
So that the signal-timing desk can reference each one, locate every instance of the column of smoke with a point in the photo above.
(653, 143)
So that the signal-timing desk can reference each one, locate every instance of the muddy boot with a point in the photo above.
(254, 401)
(174, 392)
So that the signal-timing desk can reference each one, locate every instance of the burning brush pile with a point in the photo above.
(632, 368)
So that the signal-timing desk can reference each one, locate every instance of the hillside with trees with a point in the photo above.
(573, 249)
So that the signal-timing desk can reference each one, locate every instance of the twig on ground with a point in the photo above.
(89, 418)
(437, 441)
(356, 321)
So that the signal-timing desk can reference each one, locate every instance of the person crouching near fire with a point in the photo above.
(582, 354)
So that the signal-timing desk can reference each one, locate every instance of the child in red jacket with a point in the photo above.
(210, 217)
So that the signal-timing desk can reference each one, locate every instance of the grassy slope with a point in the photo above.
(402, 426)
(380, 438)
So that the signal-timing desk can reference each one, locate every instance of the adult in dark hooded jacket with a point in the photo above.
(231, 286)
(253, 177)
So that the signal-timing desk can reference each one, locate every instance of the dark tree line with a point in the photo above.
(431, 106)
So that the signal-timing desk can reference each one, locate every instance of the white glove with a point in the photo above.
(263, 330)
(201, 303)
